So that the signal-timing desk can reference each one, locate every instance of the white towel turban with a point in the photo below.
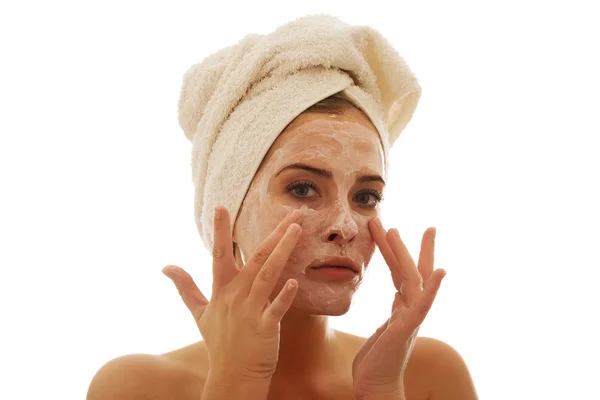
(236, 102)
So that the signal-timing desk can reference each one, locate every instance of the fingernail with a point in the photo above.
(395, 232)
(295, 215)
(218, 212)
(172, 271)
(377, 222)
(167, 271)
(294, 229)
(434, 233)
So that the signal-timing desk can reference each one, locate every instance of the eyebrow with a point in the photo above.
(328, 174)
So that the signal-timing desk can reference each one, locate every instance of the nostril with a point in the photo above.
(332, 237)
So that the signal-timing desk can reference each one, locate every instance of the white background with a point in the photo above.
(501, 156)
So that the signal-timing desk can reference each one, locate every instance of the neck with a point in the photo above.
(307, 344)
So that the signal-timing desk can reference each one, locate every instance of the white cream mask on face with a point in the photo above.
(336, 209)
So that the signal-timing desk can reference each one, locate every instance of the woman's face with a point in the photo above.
(329, 167)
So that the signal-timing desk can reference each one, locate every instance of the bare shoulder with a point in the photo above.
(435, 370)
(192, 358)
(444, 371)
(148, 376)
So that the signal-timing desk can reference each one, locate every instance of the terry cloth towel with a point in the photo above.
(235, 103)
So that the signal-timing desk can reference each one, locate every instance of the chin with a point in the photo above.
(322, 303)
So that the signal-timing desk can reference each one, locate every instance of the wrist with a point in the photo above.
(387, 396)
(234, 386)
(391, 392)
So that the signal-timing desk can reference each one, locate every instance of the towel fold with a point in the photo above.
(235, 103)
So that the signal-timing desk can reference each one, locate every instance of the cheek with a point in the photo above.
(368, 249)
(364, 240)
(259, 217)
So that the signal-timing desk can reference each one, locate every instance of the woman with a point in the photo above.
(288, 183)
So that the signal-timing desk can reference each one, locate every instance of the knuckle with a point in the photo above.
(275, 313)
(233, 300)
(266, 274)
(218, 253)
(262, 254)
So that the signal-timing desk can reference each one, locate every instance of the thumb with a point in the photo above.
(192, 297)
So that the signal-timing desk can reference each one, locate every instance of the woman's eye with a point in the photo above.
(369, 199)
(302, 189)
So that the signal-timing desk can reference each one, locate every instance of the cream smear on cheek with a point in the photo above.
(344, 147)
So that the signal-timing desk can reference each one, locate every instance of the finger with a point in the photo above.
(412, 284)
(264, 250)
(419, 311)
(223, 261)
(192, 297)
(426, 257)
(379, 235)
(267, 277)
(281, 304)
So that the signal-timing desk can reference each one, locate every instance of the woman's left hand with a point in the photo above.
(378, 368)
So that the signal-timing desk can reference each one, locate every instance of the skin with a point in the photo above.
(339, 215)
(336, 212)
(336, 208)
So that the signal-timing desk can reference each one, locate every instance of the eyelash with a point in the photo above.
(302, 184)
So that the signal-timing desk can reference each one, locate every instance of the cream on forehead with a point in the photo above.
(329, 141)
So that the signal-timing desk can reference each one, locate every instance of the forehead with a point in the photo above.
(349, 138)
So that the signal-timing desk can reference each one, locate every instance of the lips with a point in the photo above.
(337, 262)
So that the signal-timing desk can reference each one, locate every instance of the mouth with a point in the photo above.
(336, 262)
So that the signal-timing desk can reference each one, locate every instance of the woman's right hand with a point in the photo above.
(239, 324)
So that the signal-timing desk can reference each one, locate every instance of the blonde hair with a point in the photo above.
(334, 104)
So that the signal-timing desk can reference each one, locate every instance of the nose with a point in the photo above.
(342, 228)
